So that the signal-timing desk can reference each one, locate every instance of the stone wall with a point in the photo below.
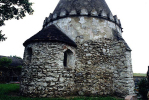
(104, 67)
(123, 75)
(46, 76)
(101, 67)
(89, 28)
(95, 67)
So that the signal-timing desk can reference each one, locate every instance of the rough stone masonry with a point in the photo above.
(79, 51)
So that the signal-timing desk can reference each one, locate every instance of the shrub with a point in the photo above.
(19, 67)
(5, 62)
(15, 57)
(143, 88)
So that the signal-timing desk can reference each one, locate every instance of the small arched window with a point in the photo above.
(29, 55)
(68, 58)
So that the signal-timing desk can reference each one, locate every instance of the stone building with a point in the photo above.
(79, 51)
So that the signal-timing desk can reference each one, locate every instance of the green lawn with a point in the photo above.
(139, 74)
(11, 91)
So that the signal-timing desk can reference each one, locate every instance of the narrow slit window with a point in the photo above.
(29, 55)
(65, 59)
(68, 58)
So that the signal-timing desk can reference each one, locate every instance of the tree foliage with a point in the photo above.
(2, 38)
(143, 88)
(5, 62)
(13, 9)
(15, 57)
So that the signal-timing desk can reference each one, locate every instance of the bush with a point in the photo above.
(16, 57)
(143, 88)
(19, 67)
(5, 62)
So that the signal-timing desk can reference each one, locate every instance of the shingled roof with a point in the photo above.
(50, 34)
(90, 8)
(89, 5)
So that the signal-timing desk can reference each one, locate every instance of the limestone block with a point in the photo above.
(85, 49)
(81, 93)
(31, 88)
(82, 20)
(43, 96)
(48, 67)
(73, 12)
(104, 51)
(111, 17)
(62, 13)
(52, 83)
(131, 97)
(84, 12)
(85, 44)
(54, 16)
(42, 84)
(40, 74)
(103, 14)
(40, 80)
(52, 74)
(62, 79)
(94, 12)
(89, 62)
(48, 79)
(38, 84)
(32, 83)
(88, 54)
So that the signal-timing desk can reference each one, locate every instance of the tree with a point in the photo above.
(2, 38)
(13, 9)
(15, 57)
(5, 62)
(143, 88)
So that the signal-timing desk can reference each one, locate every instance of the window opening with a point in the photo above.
(68, 58)
(65, 59)
(29, 54)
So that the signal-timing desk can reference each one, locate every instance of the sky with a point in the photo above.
(134, 16)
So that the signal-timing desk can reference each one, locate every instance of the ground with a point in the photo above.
(11, 92)
(139, 74)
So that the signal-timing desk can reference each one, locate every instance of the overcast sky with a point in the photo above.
(134, 16)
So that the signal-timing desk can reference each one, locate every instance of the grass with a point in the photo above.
(10, 91)
(139, 74)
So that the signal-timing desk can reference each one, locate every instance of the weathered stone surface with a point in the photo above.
(131, 97)
(103, 68)
(89, 28)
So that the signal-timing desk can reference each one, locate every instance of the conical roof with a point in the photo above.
(78, 5)
(51, 34)
(90, 8)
